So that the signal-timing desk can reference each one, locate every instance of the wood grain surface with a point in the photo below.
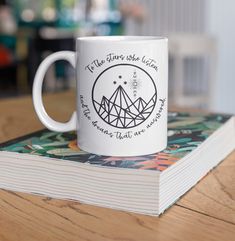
(206, 212)
(17, 116)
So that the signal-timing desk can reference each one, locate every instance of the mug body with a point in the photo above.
(122, 84)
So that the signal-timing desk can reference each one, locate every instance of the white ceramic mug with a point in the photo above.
(122, 84)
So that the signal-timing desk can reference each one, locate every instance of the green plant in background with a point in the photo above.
(34, 13)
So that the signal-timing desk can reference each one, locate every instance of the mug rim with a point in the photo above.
(122, 38)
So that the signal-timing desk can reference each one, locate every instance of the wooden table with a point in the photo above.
(206, 212)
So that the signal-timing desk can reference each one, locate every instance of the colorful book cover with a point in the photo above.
(186, 131)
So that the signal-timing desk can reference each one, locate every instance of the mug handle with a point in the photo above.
(51, 124)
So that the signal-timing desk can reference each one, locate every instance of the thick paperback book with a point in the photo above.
(50, 163)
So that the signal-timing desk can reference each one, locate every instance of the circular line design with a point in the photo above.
(93, 87)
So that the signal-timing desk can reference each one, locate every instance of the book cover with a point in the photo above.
(186, 131)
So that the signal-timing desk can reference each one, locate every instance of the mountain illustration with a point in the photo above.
(120, 111)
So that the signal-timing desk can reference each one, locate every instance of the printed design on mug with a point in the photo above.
(124, 95)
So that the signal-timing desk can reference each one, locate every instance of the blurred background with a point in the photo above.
(201, 43)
